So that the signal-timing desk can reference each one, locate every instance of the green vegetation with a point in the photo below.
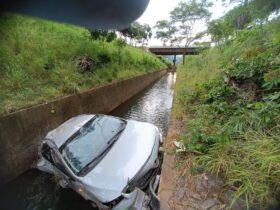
(41, 60)
(137, 33)
(241, 16)
(180, 28)
(166, 61)
(230, 97)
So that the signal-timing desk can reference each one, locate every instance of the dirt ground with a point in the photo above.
(180, 190)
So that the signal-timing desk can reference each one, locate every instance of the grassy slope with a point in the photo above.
(234, 130)
(37, 61)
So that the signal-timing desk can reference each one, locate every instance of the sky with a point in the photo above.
(159, 10)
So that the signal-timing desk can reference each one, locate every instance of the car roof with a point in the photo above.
(63, 132)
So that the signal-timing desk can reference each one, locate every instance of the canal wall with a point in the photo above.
(21, 131)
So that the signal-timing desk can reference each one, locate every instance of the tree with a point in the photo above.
(103, 35)
(249, 11)
(246, 12)
(124, 33)
(260, 10)
(107, 36)
(145, 34)
(220, 31)
(120, 43)
(185, 16)
(183, 19)
(240, 16)
(137, 33)
(165, 31)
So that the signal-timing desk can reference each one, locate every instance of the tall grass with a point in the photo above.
(199, 68)
(37, 61)
(251, 164)
(232, 128)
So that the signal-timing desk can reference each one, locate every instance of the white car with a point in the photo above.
(110, 161)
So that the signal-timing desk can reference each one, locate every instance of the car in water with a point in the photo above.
(112, 162)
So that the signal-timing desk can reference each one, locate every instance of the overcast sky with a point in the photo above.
(159, 9)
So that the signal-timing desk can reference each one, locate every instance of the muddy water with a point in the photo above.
(35, 190)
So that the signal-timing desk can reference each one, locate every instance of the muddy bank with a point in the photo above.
(21, 131)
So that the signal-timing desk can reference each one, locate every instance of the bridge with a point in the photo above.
(175, 51)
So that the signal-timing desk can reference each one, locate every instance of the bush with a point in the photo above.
(166, 61)
(231, 99)
(104, 57)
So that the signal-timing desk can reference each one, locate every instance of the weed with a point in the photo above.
(41, 60)
(232, 126)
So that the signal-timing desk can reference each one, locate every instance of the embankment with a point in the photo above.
(21, 131)
(41, 60)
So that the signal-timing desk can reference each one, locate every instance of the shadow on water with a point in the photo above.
(35, 190)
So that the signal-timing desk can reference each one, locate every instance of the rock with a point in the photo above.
(207, 204)
(180, 194)
(239, 203)
(195, 196)
(218, 207)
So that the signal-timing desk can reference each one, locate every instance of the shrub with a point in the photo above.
(232, 125)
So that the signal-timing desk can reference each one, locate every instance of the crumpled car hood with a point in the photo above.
(67, 129)
(127, 156)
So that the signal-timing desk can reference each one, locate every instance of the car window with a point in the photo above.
(92, 141)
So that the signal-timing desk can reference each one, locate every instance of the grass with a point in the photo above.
(229, 100)
(198, 70)
(251, 164)
(38, 61)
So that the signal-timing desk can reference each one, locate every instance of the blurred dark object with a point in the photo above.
(93, 14)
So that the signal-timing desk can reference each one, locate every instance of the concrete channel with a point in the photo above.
(36, 190)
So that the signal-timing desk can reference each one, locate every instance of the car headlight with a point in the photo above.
(81, 190)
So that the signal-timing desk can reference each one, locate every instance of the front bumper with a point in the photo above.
(135, 200)
(138, 200)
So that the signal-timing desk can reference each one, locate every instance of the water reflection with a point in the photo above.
(152, 105)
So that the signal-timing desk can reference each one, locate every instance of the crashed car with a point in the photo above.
(112, 162)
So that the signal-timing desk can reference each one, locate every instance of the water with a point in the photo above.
(152, 105)
(35, 190)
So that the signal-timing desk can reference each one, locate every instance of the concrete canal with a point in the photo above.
(35, 190)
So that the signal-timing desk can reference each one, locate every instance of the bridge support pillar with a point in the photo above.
(174, 63)
(184, 56)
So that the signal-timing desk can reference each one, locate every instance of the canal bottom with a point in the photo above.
(35, 190)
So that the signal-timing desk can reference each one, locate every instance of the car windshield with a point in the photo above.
(91, 141)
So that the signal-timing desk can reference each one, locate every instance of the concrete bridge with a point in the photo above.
(175, 51)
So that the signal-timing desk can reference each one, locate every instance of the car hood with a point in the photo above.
(68, 128)
(123, 161)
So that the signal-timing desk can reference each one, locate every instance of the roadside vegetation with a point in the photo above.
(229, 97)
(41, 60)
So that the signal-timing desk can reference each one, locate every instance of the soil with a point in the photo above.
(181, 190)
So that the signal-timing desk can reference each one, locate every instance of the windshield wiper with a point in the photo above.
(77, 133)
(93, 162)
(115, 137)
